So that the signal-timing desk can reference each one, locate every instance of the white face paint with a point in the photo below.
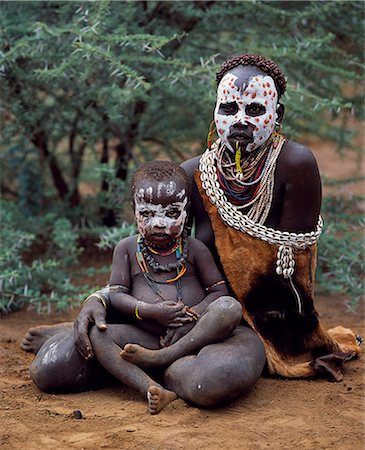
(261, 90)
(155, 219)
(149, 193)
(181, 194)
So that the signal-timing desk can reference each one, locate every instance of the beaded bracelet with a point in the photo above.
(191, 313)
(136, 311)
(212, 286)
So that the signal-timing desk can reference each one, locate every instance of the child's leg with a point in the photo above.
(219, 320)
(107, 345)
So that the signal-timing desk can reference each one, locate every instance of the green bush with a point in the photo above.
(341, 250)
(35, 258)
(39, 254)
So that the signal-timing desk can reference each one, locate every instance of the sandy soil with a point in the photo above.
(277, 413)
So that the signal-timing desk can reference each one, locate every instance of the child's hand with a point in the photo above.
(166, 313)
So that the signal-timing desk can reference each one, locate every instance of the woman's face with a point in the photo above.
(246, 108)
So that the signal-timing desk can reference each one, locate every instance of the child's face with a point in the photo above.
(160, 210)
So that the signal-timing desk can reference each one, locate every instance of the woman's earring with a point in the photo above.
(278, 127)
(210, 137)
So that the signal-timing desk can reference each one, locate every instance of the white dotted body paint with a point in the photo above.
(152, 218)
(260, 90)
(181, 194)
(170, 188)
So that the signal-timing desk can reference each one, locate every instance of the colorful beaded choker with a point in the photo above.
(146, 260)
(166, 252)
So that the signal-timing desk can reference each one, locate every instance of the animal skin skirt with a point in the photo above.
(296, 344)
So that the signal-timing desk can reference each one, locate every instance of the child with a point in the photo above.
(166, 286)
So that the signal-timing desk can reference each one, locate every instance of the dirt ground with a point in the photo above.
(275, 414)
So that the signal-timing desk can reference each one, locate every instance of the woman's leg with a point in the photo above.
(220, 372)
(59, 367)
(37, 336)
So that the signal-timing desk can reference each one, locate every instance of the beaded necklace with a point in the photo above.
(233, 217)
(249, 187)
(252, 222)
(238, 191)
(145, 261)
(166, 252)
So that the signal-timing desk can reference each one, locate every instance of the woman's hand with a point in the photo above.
(92, 313)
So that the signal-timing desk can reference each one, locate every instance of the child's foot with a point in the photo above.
(158, 398)
(37, 336)
(141, 356)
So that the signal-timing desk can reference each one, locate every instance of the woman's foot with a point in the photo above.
(37, 336)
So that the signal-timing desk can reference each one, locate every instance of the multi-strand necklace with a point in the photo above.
(249, 183)
(213, 166)
(146, 261)
(240, 179)
(234, 217)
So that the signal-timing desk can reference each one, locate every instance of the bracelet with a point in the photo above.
(191, 313)
(99, 297)
(119, 288)
(136, 311)
(212, 286)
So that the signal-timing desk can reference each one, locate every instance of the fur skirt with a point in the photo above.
(296, 344)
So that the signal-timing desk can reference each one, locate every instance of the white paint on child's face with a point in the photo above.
(181, 194)
(166, 188)
(143, 194)
(154, 218)
(159, 189)
(170, 188)
(260, 90)
(149, 193)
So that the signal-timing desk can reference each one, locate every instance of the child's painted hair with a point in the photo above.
(161, 171)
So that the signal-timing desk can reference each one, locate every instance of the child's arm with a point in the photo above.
(165, 313)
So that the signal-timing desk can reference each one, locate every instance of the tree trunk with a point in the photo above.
(107, 214)
(39, 139)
